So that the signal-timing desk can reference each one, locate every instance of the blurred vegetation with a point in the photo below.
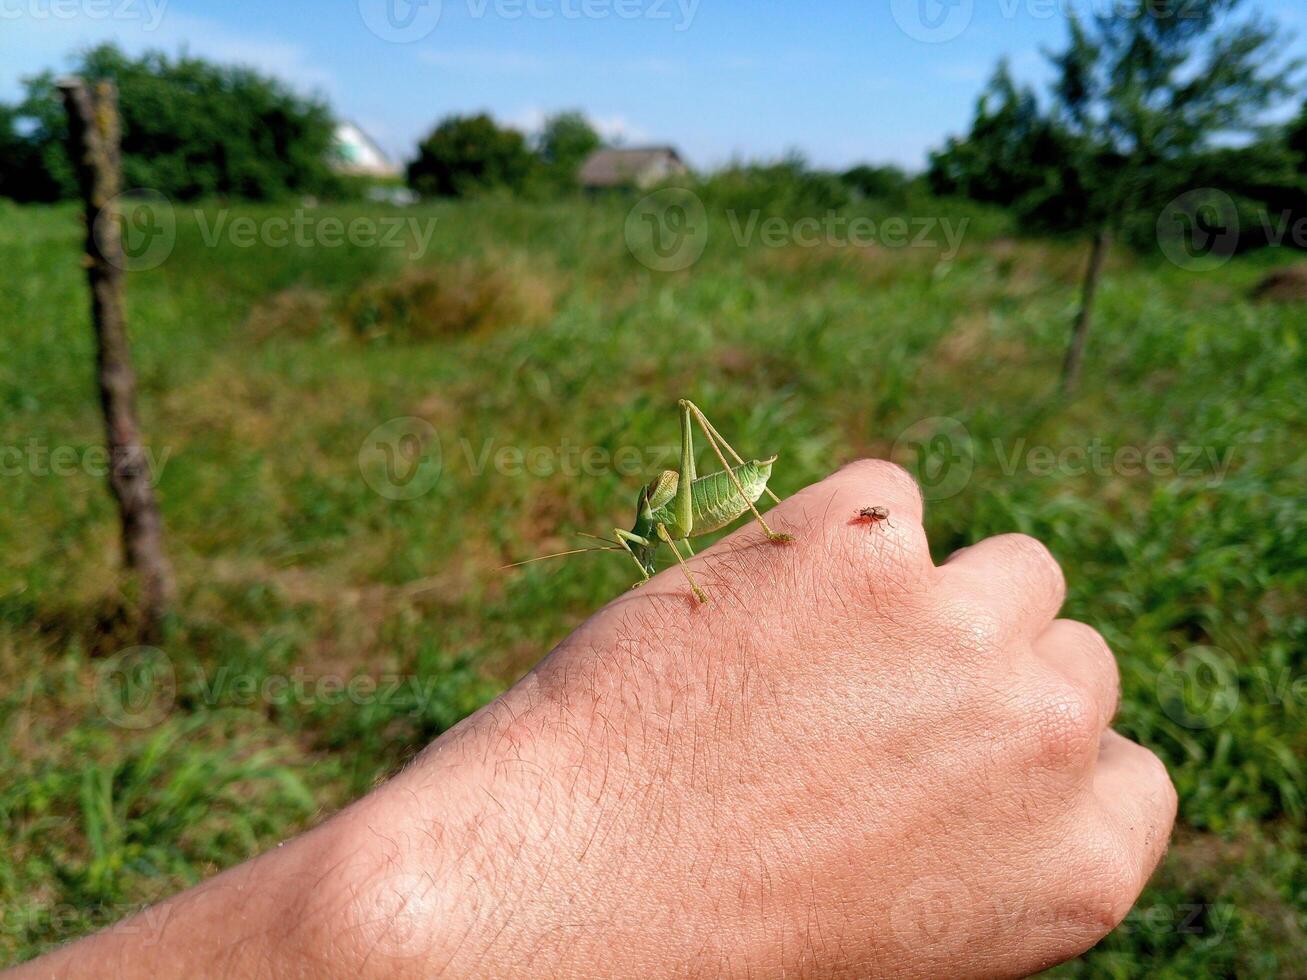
(1142, 109)
(264, 370)
(191, 129)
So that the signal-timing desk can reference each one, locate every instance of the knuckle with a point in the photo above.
(1107, 884)
(1158, 780)
(1024, 552)
(882, 473)
(1064, 723)
(970, 627)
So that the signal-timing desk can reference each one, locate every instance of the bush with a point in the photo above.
(466, 154)
(787, 187)
(427, 303)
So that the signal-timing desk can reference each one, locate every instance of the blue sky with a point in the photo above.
(840, 80)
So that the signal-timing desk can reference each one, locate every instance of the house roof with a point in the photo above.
(609, 167)
(359, 153)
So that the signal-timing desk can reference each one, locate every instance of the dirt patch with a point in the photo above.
(426, 303)
(295, 312)
(1288, 285)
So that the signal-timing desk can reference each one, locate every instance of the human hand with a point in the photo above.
(849, 763)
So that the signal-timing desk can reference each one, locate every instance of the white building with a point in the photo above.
(359, 155)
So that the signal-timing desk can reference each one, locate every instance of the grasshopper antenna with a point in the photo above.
(557, 554)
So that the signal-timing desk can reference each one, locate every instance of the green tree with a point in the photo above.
(465, 154)
(1141, 96)
(564, 144)
(1014, 156)
(191, 128)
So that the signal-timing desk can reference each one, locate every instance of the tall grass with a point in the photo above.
(259, 388)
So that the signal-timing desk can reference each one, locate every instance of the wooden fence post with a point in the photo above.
(94, 135)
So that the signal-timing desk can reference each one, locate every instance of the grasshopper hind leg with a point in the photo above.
(716, 441)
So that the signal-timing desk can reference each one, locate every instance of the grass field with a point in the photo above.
(547, 362)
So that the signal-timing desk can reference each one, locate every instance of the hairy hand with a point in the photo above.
(850, 762)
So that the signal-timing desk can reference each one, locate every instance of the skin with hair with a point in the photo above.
(851, 763)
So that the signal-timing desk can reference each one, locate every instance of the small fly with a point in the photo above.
(872, 516)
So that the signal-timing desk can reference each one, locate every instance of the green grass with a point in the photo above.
(296, 575)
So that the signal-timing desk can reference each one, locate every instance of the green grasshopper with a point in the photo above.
(679, 504)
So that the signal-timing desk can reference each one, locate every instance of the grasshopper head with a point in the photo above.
(647, 529)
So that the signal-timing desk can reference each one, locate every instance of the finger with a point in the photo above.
(1135, 792)
(1080, 654)
(1014, 575)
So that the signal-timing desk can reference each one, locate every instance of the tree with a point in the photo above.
(564, 144)
(1014, 156)
(1140, 96)
(465, 154)
(191, 129)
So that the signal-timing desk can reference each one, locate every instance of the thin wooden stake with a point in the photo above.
(94, 134)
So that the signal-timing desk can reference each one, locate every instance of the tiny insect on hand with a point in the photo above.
(679, 504)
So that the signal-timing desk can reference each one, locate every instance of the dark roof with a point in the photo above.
(610, 167)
